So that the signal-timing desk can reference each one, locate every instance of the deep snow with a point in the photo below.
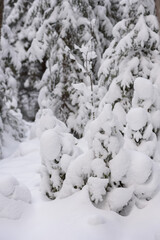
(72, 218)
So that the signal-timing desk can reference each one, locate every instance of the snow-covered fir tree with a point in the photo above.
(93, 166)
(66, 24)
(105, 141)
(27, 73)
(112, 170)
(133, 53)
(11, 123)
(43, 29)
(11, 119)
(84, 95)
(129, 73)
(54, 49)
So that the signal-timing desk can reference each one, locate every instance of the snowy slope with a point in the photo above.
(72, 218)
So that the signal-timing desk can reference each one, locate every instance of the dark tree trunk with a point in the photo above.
(1, 14)
(157, 3)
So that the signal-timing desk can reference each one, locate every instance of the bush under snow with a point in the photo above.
(136, 177)
(58, 150)
(14, 198)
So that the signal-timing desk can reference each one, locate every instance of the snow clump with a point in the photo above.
(14, 198)
(137, 118)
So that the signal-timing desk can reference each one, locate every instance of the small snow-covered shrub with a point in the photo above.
(105, 140)
(92, 168)
(118, 174)
(130, 74)
(58, 149)
(129, 66)
(135, 179)
(14, 198)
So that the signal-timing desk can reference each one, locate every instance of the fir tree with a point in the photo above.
(112, 169)
(11, 119)
(127, 74)
(133, 53)
(65, 24)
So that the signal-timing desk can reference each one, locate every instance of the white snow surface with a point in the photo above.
(50, 144)
(14, 198)
(137, 118)
(72, 218)
(143, 88)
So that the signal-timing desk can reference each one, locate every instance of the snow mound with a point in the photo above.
(131, 167)
(27, 147)
(119, 166)
(148, 190)
(50, 145)
(140, 168)
(7, 185)
(137, 118)
(118, 198)
(155, 119)
(97, 188)
(143, 88)
(136, 171)
(99, 168)
(14, 198)
(46, 120)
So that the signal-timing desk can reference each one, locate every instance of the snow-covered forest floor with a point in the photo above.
(80, 89)
(72, 218)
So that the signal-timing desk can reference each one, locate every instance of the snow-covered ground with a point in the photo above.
(72, 218)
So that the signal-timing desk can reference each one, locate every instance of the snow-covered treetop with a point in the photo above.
(132, 7)
(136, 39)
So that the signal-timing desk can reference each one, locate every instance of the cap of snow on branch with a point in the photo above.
(143, 88)
(14, 198)
(50, 145)
(137, 118)
(45, 120)
(139, 132)
(143, 93)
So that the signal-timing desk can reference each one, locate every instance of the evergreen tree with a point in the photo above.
(92, 168)
(66, 24)
(11, 120)
(84, 96)
(105, 140)
(127, 74)
(16, 20)
(41, 32)
(113, 170)
(133, 53)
